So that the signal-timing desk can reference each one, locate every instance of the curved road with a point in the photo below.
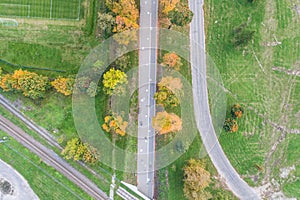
(201, 106)
(52, 159)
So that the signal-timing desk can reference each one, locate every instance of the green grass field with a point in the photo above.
(49, 9)
(39, 175)
(271, 98)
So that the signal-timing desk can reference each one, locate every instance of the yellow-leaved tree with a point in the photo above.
(196, 179)
(114, 82)
(77, 150)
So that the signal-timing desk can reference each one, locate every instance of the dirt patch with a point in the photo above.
(13, 186)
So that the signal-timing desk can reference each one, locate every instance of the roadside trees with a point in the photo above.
(181, 15)
(114, 81)
(115, 124)
(164, 122)
(172, 60)
(196, 179)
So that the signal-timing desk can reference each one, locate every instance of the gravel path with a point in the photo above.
(13, 186)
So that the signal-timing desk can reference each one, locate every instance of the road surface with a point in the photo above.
(202, 112)
(52, 159)
(147, 88)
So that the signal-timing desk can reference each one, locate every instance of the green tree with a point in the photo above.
(242, 35)
(114, 81)
(106, 23)
(230, 125)
(196, 179)
(123, 62)
(181, 15)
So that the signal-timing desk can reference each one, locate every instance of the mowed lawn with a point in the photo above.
(271, 98)
(50, 9)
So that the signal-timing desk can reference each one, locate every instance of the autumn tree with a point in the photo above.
(77, 150)
(106, 23)
(115, 124)
(63, 85)
(164, 122)
(7, 82)
(172, 61)
(168, 88)
(126, 13)
(196, 179)
(181, 15)
(237, 111)
(167, 5)
(114, 81)
(230, 125)
(30, 84)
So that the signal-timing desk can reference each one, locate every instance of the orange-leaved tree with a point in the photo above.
(126, 12)
(115, 124)
(164, 122)
(172, 60)
(63, 85)
(237, 111)
(30, 84)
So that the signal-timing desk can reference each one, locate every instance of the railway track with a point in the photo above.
(7, 105)
(52, 159)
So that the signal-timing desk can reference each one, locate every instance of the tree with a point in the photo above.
(165, 122)
(237, 111)
(181, 15)
(77, 150)
(85, 85)
(171, 83)
(63, 85)
(168, 88)
(126, 13)
(231, 125)
(106, 23)
(196, 179)
(114, 81)
(123, 62)
(7, 83)
(242, 35)
(115, 124)
(30, 84)
(167, 5)
(172, 60)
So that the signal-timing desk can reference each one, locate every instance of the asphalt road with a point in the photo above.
(201, 106)
(147, 88)
(52, 159)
